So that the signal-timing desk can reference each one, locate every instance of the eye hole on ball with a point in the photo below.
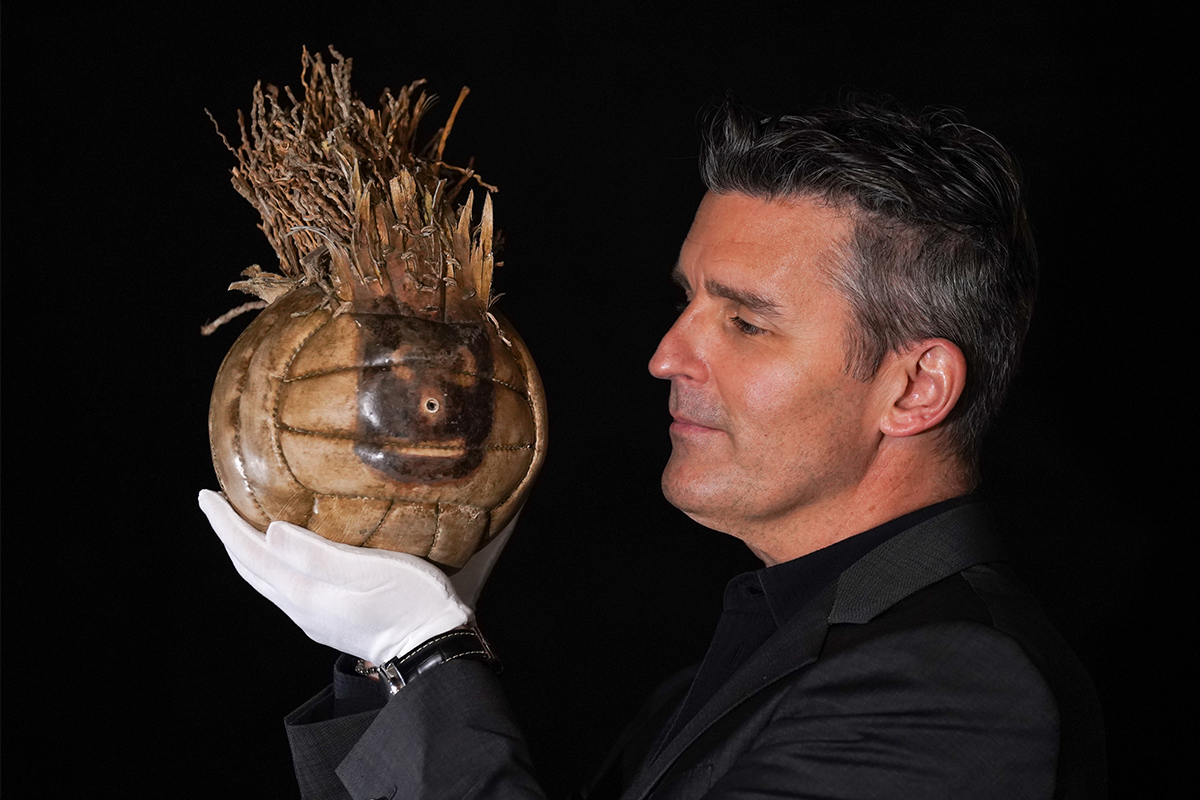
(432, 405)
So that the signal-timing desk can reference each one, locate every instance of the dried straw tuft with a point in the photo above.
(351, 204)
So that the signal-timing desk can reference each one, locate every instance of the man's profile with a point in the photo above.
(858, 283)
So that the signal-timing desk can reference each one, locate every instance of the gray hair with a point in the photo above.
(942, 247)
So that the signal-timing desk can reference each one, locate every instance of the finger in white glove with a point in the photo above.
(374, 604)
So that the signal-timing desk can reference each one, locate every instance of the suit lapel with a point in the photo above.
(912, 560)
(909, 561)
(793, 646)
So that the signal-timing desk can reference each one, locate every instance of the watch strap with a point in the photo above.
(402, 670)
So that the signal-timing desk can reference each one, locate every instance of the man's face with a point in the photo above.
(768, 429)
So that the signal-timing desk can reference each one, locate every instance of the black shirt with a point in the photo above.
(757, 603)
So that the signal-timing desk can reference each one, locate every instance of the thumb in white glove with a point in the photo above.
(374, 604)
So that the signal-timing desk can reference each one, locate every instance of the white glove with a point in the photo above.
(374, 604)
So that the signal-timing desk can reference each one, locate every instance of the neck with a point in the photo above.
(885, 493)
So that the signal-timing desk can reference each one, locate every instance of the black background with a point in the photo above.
(138, 661)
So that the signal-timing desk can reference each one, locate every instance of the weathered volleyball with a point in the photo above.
(377, 399)
(379, 430)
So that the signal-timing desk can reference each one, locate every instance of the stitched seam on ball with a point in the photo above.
(499, 382)
(279, 398)
(355, 438)
(437, 528)
(390, 364)
(356, 496)
(237, 440)
(524, 375)
(527, 394)
(378, 525)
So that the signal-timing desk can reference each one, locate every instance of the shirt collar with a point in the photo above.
(786, 587)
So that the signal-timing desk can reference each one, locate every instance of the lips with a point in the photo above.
(690, 414)
(684, 423)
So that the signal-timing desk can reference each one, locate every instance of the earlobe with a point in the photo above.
(930, 377)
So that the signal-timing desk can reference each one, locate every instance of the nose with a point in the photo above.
(677, 355)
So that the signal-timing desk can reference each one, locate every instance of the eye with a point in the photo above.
(746, 327)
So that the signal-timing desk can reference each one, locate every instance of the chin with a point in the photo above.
(693, 497)
(676, 486)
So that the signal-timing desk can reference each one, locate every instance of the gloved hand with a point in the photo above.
(374, 604)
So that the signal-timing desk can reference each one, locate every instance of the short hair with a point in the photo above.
(942, 247)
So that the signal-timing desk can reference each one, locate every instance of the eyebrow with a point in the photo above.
(751, 300)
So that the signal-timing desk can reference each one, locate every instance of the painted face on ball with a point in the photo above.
(425, 403)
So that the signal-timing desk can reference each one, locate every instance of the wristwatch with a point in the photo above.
(459, 643)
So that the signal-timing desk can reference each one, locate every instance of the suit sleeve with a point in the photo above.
(949, 710)
(448, 735)
(946, 710)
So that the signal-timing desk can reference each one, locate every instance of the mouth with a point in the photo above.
(691, 414)
(453, 448)
(681, 424)
(419, 461)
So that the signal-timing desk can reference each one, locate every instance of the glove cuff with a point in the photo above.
(402, 670)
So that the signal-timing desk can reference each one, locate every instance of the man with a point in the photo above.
(858, 285)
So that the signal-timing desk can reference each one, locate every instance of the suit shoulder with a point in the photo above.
(952, 599)
(984, 615)
(986, 594)
(947, 708)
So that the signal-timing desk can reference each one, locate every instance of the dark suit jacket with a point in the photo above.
(924, 671)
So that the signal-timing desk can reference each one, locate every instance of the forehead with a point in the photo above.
(786, 240)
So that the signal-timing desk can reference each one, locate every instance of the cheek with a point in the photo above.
(784, 407)
(775, 395)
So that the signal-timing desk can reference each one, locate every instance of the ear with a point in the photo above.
(929, 379)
